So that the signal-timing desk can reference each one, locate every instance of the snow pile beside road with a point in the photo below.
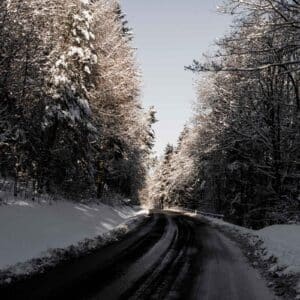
(278, 246)
(278, 241)
(283, 242)
(53, 257)
(29, 229)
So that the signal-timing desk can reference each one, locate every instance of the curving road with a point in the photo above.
(170, 257)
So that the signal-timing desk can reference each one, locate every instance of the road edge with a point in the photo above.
(54, 257)
(283, 286)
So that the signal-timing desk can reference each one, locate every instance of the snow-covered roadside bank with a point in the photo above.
(35, 236)
(275, 250)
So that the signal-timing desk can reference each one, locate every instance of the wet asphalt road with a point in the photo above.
(170, 257)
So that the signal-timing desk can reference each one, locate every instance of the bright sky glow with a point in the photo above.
(169, 34)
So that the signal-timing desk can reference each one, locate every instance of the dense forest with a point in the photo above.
(71, 121)
(240, 153)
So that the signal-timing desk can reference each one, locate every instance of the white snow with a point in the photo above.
(283, 242)
(76, 51)
(60, 79)
(88, 16)
(85, 1)
(279, 241)
(87, 70)
(28, 229)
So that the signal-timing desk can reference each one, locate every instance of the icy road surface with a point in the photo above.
(170, 257)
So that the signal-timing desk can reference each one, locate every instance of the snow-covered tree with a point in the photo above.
(245, 155)
(71, 119)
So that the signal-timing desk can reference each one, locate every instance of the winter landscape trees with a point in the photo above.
(71, 120)
(70, 117)
(240, 155)
(73, 130)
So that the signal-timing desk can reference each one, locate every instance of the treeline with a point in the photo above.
(70, 117)
(240, 155)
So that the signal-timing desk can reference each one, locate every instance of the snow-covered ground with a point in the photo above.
(280, 241)
(29, 229)
(278, 244)
(283, 242)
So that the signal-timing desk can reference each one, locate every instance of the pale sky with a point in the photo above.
(168, 35)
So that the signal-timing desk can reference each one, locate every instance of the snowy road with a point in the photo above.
(170, 257)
